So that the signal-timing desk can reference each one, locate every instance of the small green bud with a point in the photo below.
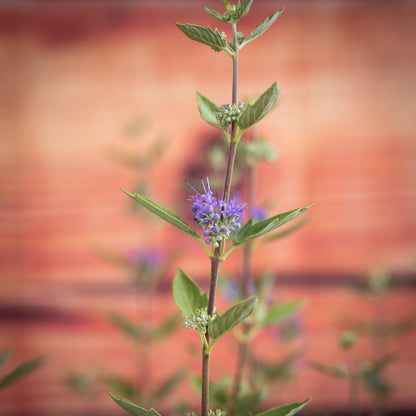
(228, 113)
(198, 320)
(240, 37)
(347, 340)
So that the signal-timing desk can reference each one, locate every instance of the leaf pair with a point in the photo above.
(247, 233)
(135, 410)
(251, 114)
(234, 11)
(189, 297)
(217, 40)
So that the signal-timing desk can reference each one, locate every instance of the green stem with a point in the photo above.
(216, 257)
(215, 266)
(233, 146)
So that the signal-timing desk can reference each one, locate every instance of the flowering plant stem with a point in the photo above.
(219, 217)
(216, 258)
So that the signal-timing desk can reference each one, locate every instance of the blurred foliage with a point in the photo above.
(20, 371)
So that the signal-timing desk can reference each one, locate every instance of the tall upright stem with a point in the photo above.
(233, 146)
(215, 259)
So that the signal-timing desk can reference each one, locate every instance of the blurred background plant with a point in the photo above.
(145, 268)
(378, 329)
(19, 371)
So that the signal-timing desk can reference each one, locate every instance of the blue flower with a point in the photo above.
(215, 216)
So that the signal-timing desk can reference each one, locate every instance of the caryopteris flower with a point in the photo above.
(198, 320)
(228, 113)
(215, 216)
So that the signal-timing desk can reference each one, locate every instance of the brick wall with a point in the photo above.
(74, 76)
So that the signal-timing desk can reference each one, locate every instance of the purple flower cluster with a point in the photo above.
(216, 217)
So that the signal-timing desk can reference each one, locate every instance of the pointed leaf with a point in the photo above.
(187, 294)
(242, 9)
(165, 214)
(287, 410)
(128, 328)
(336, 370)
(288, 230)
(120, 385)
(219, 16)
(205, 35)
(4, 356)
(378, 365)
(260, 29)
(133, 408)
(232, 317)
(21, 371)
(255, 112)
(279, 312)
(208, 110)
(253, 230)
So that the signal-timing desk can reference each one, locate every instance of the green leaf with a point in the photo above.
(205, 35)
(4, 356)
(253, 230)
(223, 17)
(133, 408)
(165, 214)
(378, 365)
(21, 371)
(234, 12)
(287, 410)
(279, 312)
(253, 113)
(337, 370)
(260, 29)
(255, 151)
(187, 294)
(221, 324)
(288, 230)
(242, 9)
(128, 328)
(208, 110)
(120, 384)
